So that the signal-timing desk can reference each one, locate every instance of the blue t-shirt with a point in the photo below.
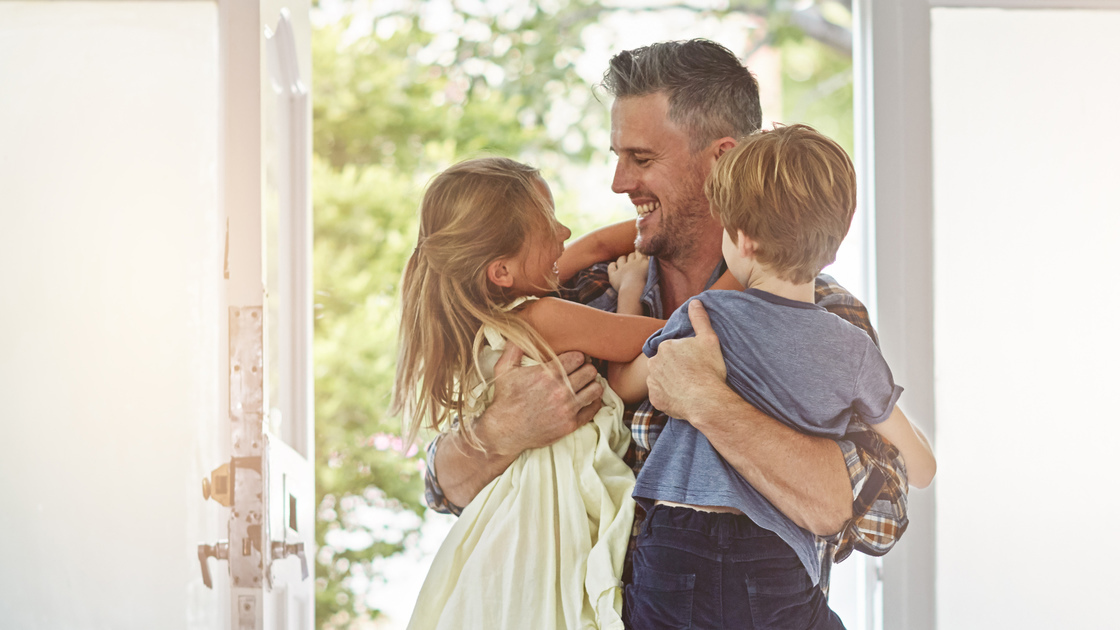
(795, 362)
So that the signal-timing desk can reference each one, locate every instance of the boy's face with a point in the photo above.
(661, 175)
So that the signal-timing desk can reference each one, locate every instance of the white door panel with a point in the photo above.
(110, 310)
(131, 221)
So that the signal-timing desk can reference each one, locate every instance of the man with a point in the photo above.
(678, 106)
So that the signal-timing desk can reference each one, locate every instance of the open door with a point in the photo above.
(268, 481)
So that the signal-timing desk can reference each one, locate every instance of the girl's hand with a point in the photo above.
(629, 272)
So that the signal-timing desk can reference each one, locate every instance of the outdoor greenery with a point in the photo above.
(401, 92)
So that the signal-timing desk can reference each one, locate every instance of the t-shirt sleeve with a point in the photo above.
(677, 327)
(875, 391)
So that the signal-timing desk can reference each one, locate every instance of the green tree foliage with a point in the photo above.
(399, 94)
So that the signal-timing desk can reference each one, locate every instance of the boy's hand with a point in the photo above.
(629, 272)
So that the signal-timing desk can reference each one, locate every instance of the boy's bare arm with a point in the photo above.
(628, 380)
(805, 477)
(912, 444)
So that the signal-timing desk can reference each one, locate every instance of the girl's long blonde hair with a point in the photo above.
(472, 214)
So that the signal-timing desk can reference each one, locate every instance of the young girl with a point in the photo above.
(543, 545)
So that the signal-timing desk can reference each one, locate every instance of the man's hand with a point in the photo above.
(686, 373)
(532, 407)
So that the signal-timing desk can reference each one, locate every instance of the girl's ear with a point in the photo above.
(498, 273)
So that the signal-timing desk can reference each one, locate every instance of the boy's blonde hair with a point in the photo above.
(792, 191)
(472, 214)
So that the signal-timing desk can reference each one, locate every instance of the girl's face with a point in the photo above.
(535, 271)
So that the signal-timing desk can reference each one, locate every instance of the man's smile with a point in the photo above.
(646, 209)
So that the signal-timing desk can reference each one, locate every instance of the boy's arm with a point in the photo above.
(912, 445)
(601, 245)
(628, 380)
(570, 326)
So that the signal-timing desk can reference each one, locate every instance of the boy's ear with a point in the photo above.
(498, 273)
(745, 244)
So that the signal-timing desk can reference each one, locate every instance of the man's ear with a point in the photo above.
(723, 145)
(498, 273)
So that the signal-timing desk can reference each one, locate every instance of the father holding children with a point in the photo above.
(678, 107)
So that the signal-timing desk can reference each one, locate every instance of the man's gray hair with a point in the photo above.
(711, 95)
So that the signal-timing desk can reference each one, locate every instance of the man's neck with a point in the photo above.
(681, 280)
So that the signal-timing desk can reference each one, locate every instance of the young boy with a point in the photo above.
(713, 552)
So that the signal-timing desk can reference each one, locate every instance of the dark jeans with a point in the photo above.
(704, 570)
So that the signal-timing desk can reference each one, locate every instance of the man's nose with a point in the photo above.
(624, 181)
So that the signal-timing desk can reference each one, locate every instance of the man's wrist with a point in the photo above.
(710, 402)
(491, 448)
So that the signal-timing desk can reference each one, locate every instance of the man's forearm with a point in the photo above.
(462, 471)
(805, 477)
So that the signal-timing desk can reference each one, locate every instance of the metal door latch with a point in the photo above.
(281, 550)
(205, 552)
(219, 486)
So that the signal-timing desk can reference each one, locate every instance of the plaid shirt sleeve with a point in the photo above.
(878, 475)
(433, 493)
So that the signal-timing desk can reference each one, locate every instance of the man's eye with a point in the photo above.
(641, 161)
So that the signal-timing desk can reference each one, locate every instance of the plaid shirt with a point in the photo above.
(875, 466)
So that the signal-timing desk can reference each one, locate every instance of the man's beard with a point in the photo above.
(677, 233)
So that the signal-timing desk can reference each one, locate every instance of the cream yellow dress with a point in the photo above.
(542, 546)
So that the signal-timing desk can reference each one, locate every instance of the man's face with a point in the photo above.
(662, 177)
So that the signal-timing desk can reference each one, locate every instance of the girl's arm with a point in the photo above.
(611, 336)
(571, 326)
(601, 245)
(628, 380)
(912, 444)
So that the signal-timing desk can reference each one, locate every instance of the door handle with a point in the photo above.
(281, 550)
(220, 550)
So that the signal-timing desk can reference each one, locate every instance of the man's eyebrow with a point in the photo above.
(632, 150)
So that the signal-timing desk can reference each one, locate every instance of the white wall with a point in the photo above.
(1026, 233)
(111, 248)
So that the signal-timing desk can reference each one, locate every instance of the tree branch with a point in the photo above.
(810, 20)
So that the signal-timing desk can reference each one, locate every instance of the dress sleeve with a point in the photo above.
(875, 467)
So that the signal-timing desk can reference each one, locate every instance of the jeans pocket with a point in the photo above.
(659, 600)
(784, 600)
